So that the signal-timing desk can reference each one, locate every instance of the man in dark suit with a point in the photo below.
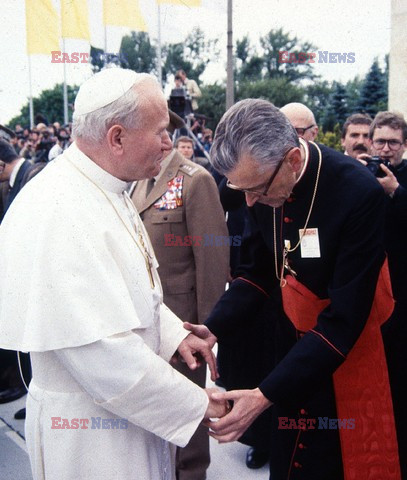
(14, 174)
(183, 216)
(14, 170)
(388, 137)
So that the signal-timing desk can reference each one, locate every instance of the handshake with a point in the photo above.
(228, 414)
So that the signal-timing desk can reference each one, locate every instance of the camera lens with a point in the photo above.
(373, 167)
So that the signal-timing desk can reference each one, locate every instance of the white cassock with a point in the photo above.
(75, 292)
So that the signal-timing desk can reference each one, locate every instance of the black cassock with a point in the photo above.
(348, 213)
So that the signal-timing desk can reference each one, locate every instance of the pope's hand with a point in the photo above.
(247, 406)
(201, 331)
(193, 347)
(216, 409)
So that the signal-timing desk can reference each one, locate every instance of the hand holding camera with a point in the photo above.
(382, 169)
(374, 163)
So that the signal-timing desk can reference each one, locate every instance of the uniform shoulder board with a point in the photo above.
(189, 169)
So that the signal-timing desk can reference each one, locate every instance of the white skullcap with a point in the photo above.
(103, 88)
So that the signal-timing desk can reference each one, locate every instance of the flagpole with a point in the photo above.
(159, 67)
(230, 94)
(105, 55)
(65, 87)
(31, 105)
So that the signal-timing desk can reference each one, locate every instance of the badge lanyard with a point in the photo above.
(287, 249)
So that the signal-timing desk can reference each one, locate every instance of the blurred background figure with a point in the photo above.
(302, 119)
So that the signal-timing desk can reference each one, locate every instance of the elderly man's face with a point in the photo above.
(304, 125)
(356, 140)
(250, 175)
(144, 147)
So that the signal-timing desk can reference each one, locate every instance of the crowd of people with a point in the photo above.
(310, 329)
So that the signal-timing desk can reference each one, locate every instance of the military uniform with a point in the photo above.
(185, 221)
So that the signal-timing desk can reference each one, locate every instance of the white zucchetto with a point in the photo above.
(103, 88)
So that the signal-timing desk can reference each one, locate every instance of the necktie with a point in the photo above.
(150, 185)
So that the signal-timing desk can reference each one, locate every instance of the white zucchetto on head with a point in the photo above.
(103, 88)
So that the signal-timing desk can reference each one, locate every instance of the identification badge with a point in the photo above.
(309, 243)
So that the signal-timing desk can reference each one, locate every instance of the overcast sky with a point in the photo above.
(361, 27)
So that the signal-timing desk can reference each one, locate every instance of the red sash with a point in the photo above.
(362, 390)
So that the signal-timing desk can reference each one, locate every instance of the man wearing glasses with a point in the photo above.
(388, 134)
(316, 224)
(302, 119)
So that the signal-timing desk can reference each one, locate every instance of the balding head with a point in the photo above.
(302, 119)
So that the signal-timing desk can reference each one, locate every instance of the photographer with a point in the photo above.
(46, 141)
(191, 86)
(388, 134)
(207, 139)
(63, 142)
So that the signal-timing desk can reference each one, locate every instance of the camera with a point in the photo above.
(373, 165)
(180, 102)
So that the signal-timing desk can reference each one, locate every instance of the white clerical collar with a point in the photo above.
(304, 144)
(102, 178)
(15, 171)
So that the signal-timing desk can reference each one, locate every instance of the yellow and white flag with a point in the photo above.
(185, 3)
(75, 19)
(123, 13)
(42, 25)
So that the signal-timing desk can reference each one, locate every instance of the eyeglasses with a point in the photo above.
(301, 130)
(393, 144)
(254, 190)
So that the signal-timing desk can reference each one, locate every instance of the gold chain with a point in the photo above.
(143, 249)
(287, 249)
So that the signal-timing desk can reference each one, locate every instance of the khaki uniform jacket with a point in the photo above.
(193, 274)
(194, 92)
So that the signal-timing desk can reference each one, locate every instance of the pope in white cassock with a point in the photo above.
(80, 291)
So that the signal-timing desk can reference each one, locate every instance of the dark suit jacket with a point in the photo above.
(25, 173)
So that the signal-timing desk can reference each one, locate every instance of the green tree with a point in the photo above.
(49, 103)
(97, 58)
(138, 53)
(337, 110)
(212, 103)
(353, 88)
(330, 139)
(249, 64)
(277, 41)
(317, 96)
(192, 55)
(373, 94)
(279, 91)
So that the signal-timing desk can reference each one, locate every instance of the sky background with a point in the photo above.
(362, 27)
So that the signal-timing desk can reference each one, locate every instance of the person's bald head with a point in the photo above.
(302, 119)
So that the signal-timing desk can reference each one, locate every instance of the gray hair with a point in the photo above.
(252, 127)
(124, 111)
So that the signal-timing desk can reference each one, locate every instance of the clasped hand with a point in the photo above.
(233, 422)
